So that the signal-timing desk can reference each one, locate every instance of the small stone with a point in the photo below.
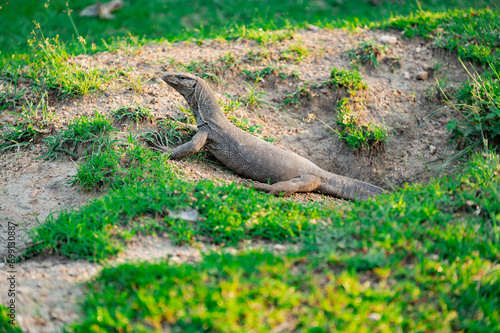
(190, 215)
(312, 27)
(34, 193)
(432, 149)
(387, 39)
(423, 76)
(375, 316)
(406, 75)
(32, 168)
(279, 247)
(418, 49)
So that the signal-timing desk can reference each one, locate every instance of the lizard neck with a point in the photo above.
(204, 105)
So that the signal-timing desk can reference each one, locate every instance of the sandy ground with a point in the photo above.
(411, 110)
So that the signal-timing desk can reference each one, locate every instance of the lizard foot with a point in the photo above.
(303, 183)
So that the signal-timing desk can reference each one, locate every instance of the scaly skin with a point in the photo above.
(279, 171)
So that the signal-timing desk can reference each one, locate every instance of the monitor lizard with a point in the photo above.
(277, 171)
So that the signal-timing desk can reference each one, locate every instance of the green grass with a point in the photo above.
(357, 136)
(83, 135)
(367, 53)
(32, 122)
(5, 324)
(228, 215)
(133, 114)
(295, 97)
(346, 78)
(473, 36)
(174, 20)
(422, 259)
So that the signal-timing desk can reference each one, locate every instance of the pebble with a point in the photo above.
(312, 27)
(279, 247)
(387, 39)
(406, 75)
(432, 149)
(423, 76)
(32, 168)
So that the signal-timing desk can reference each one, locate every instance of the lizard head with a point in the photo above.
(185, 84)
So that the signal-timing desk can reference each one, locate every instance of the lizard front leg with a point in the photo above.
(303, 183)
(191, 147)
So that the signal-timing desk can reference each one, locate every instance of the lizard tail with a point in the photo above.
(347, 188)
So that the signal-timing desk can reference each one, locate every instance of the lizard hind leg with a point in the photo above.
(303, 183)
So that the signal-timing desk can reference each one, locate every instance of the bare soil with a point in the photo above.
(412, 110)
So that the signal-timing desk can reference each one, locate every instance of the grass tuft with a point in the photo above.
(367, 53)
(134, 114)
(83, 135)
(356, 136)
(31, 123)
(349, 79)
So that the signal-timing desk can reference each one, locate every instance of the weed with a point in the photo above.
(134, 114)
(83, 136)
(302, 91)
(116, 166)
(50, 69)
(479, 104)
(254, 98)
(259, 55)
(266, 36)
(136, 82)
(9, 92)
(295, 52)
(32, 122)
(203, 70)
(293, 74)
(368, 52)
(349, 79)
(209, 69)
(170, 133)
(229, 105)
(473, 34)
(259, 75)
(358, 137)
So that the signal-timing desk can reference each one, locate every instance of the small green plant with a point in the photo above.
(134, 114)
(358, 137)
(479, 104)
(302, 91)
(229, 104)
(136, 81)
(32, 122)
(10, 94)
(83, 136)
(254, 97)
(228, 60)
(295, 52)
(349, 79)
(120, 165)
(169, 133)
(50, 69)
(259, 55)
(210, 69)
(367, 53)
(285, 75)
(266, 36)
(205, 70)
(259, 75)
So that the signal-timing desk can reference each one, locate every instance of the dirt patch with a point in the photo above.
(408, 107)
